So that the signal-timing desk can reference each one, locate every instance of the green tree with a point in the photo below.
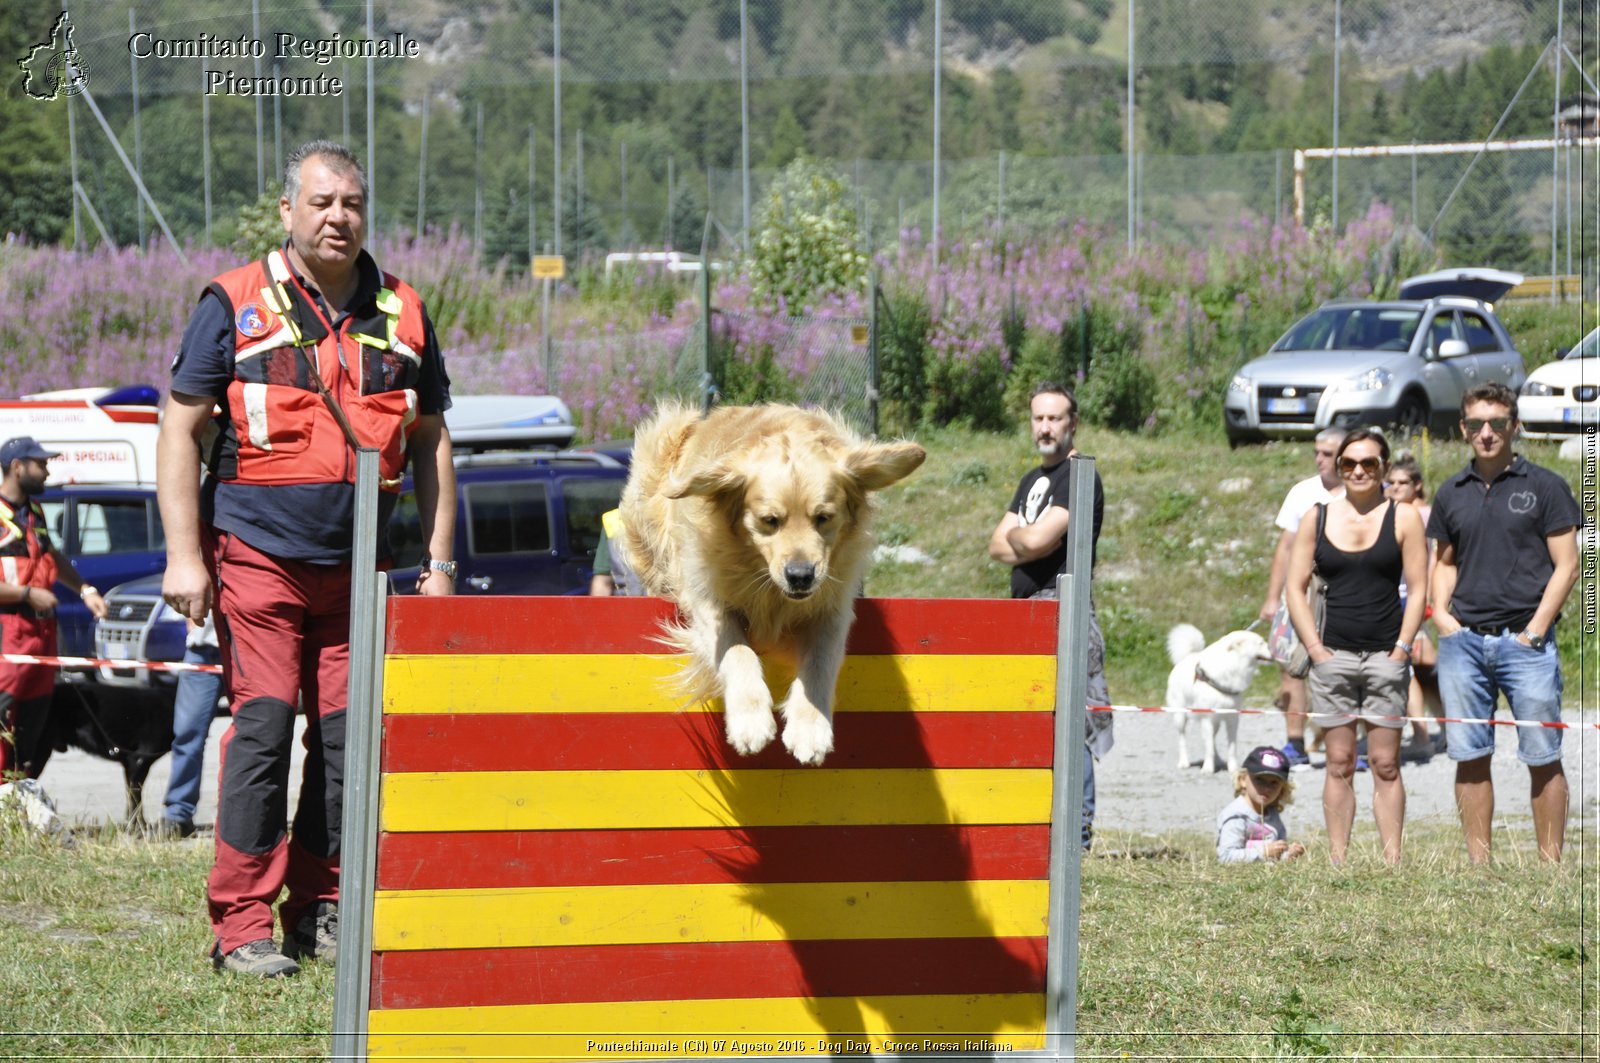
(806, 237)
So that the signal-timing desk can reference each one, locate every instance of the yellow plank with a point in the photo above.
(690, 1028)
(602, 800)
(706, 912)
(601, 682)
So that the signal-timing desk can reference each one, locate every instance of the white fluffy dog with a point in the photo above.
(1212, 677)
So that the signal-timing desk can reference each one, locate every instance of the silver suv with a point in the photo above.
(1404, 363)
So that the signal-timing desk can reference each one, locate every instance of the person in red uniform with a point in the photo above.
(305, 355)
(30, 565)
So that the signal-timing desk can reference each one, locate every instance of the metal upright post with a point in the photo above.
(422, 168)
(477, 191)
(556, 119)
(205, 144)
(261, 136)
(138, 141)
(744, 120)
(1338, 41)
(533, 204)
(1130, 125)
(872, 353)
(938, 50)
(1066, 823)
(364, 742)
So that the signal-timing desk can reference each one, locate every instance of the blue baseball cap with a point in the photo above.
(22, 447)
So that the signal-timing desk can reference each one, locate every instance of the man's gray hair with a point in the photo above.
(338, 158)
(1332, 434)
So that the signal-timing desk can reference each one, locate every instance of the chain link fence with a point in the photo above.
(650, 135)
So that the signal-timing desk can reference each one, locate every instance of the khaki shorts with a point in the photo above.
(1359, 683)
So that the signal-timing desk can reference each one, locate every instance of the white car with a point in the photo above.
(1562, 398)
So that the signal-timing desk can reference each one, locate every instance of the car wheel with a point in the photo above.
(1411, 418)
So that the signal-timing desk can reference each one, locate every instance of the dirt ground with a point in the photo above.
(1141, 791)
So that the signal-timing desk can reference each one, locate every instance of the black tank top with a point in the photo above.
(1364, 610)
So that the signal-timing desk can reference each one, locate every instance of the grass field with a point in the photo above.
(1181, 957)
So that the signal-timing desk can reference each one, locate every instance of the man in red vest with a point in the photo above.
(30, 565)
(306, 355)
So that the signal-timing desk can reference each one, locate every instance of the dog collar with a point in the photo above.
(1200, 676)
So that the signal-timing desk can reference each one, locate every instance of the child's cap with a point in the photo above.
(1265, 760)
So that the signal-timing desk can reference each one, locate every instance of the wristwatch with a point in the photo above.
(87, 589)
(1403, 647)
(449, 568)
(1534, 641)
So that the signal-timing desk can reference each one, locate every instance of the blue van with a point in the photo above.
(527, 522)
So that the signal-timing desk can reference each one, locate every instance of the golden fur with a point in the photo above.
(754, 521)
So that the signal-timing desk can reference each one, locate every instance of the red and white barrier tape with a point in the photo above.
(1368, 717)
(106, 662)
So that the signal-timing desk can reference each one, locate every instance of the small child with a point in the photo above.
(1250, 828)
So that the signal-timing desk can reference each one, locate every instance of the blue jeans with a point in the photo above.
(1088, 798)
(191, 721)
(1474, 669)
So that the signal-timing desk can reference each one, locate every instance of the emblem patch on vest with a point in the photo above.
(253, 321)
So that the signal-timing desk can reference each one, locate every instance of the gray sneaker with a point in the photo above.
(316, 935)
(260, 958)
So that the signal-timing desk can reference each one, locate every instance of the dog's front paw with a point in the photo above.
(748, 720)
(808, 735)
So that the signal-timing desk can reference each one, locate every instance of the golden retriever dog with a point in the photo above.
(753, 521)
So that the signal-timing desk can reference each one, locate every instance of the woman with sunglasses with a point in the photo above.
(1361, 660)
(1404, 486)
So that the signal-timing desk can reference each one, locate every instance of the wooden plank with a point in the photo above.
(575, 624)
(452, 978)
(500, 859)
(657, 1030)
(473, 683)
(694, 739)
(599, 800)
(777, 911)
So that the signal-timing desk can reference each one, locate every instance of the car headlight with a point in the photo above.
(1241, 383)
(1537, 387)
(1371, 380)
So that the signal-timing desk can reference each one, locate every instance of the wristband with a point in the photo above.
(1403, 647)
(27, 597)
(87, 589)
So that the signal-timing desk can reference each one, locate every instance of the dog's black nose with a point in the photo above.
(799, 574)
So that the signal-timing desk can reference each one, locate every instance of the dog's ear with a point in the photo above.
(720, 480)
(877, 465)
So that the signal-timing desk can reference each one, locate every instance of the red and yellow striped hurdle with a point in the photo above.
(569, 865)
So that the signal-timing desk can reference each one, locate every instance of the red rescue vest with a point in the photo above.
(280, 431)
(26, 561)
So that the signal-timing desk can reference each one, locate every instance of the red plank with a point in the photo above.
(619, 741)
(572, 624)
(816, 969)
(512, 859)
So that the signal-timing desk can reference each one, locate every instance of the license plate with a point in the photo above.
(117, 651)
(1286, 405)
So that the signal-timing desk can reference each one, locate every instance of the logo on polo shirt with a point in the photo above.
(1522, 502)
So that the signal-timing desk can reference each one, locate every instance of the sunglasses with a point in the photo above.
(1474, 425)
(1371, 465)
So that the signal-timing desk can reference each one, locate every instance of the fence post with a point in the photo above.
(1066, 831)
(872, 353)
(358, 863)
(708, 383)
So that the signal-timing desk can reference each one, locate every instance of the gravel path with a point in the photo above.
(1141, 790)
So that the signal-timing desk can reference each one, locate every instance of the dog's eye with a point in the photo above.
(822, 518)
(770, 522)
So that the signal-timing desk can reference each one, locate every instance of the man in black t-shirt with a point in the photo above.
(1031, 538)
(1508, 558)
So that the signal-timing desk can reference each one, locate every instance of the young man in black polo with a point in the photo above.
(1508, 558)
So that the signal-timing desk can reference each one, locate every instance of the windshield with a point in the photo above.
(1588, 347)
(1353, 328)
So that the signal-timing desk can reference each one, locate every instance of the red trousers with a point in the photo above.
(285, 631)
